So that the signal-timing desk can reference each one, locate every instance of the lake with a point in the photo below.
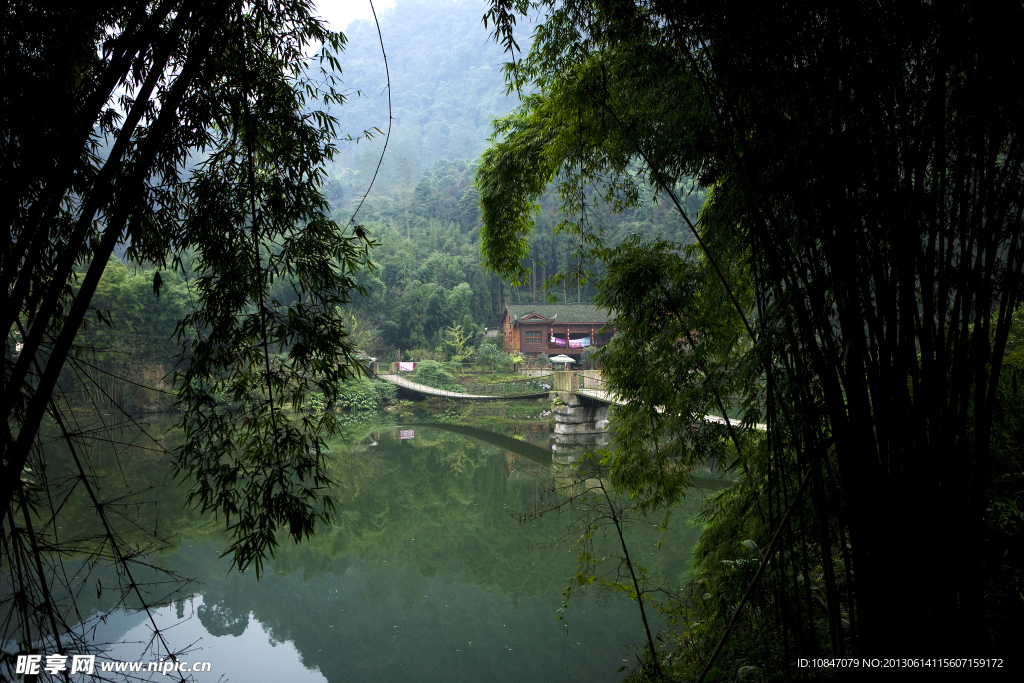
(429, 573)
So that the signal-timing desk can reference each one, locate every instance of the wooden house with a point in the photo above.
(552, 329)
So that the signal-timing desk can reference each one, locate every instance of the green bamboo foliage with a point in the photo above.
(862, 229)
(190, 136)
(257, 216)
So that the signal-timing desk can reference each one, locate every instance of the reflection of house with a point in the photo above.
(551, 329)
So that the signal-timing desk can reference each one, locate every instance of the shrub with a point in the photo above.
(433, 374)
(386, 392)
(357, 395)
(492, 356)
(360, 394)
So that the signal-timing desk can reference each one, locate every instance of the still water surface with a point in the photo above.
(427, 575)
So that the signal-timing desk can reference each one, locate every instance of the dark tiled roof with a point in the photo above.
(566, 313)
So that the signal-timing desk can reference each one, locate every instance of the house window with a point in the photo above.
(533, 337)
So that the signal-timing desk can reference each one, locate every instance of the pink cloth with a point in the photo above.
(406, 367)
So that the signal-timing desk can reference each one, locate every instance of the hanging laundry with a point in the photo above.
(406, 367)
(557, 341)
(579, 343)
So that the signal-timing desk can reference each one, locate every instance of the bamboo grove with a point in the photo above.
(853, 282)
(182, 132)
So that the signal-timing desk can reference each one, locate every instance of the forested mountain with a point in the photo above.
(446, 84)
(428, 268)
(447, 87)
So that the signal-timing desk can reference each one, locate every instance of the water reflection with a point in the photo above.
(426, 574)
(524, 448)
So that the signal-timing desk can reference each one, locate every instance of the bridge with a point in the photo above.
(533, 387)
(590, 387)
(584, 394)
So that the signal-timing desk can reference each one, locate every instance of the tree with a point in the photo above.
(433, 374)
(188, 133)
(492, 356)
(864, 170)
(457, 342)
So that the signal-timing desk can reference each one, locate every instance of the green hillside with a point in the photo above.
(447, 86)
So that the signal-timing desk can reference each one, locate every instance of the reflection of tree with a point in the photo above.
(454, 496)
(221, 620)
(142, 508)
(467, 547)
(458, 460)
(330, 596)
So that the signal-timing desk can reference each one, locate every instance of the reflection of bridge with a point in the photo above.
(522, 448)
(499, 391)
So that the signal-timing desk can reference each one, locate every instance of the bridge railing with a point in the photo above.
(573, 380)
(592, 379)
(517, 387)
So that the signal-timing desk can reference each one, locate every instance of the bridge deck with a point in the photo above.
(596, 394)
(607, 397)
(599, 395)
(431, 391)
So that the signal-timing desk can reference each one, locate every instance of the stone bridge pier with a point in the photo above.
(581, 424)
